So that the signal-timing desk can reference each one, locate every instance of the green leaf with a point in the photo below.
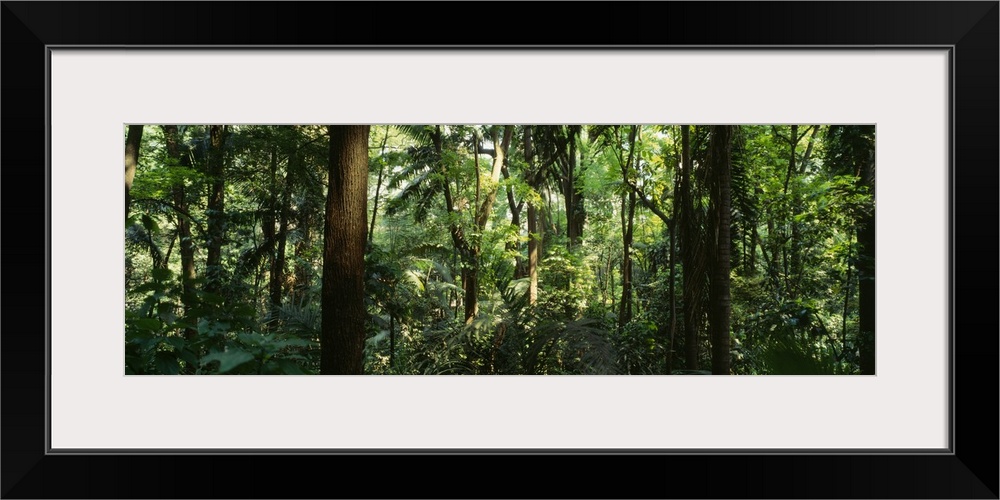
(166, 363)
(188, 356)
(161, 274)
(227, 359)
(176, 342)
(167, 316)
(288, 367)
(147, 324)
(150, 224)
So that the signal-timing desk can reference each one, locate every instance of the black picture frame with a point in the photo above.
(970, 29)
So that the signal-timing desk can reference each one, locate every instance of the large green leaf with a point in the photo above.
(228, 359)
(166, 363)
(147, 324)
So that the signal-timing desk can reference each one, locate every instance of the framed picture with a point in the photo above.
(924, 73)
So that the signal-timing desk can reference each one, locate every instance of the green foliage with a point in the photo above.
(795, 256)
(567, 282)
(209, 336)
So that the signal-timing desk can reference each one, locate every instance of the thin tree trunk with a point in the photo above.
(392, 341)
(520, 267)
(216, 209)
(471, 288)
(483, 211)
(268, 225)
(303, 269)
(625, 306)
(132, 141)
(847, 296)
(278, 264)
(378, 186)
(671, 291)
(344, 315)
(533, 235)
(183, 224)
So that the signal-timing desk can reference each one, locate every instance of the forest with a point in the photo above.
(500, 249)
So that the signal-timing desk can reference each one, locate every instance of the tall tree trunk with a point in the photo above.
(471, 285)
(303, 268)
(690, 248)
(344, 315)
(721, 148)
(847, 296)
(628, 216)
(132, 141)
(575, 212)
(216, 209)
(534, 244)
(183, 222)
(514, 247)
(533, 236)
(392, 341)
(278, 264)
(268, 223)
(796, 266)
(483, 210)
(673, 262)
(866, 276)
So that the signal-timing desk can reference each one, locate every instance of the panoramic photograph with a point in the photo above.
(464, 249)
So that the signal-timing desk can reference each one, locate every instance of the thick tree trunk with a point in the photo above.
(216, 209)
(132, 141)
(721, 148)
(866, 276)
(344, 314)
(575, 212)
(692, 278)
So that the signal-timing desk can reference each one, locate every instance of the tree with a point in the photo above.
(692, 256)
(132, 141)
(852, 152)
(534, 240)
(628, 230)
(344, 237)
(183, 216)
(687, 207)
(216, 207)
(721, 151)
